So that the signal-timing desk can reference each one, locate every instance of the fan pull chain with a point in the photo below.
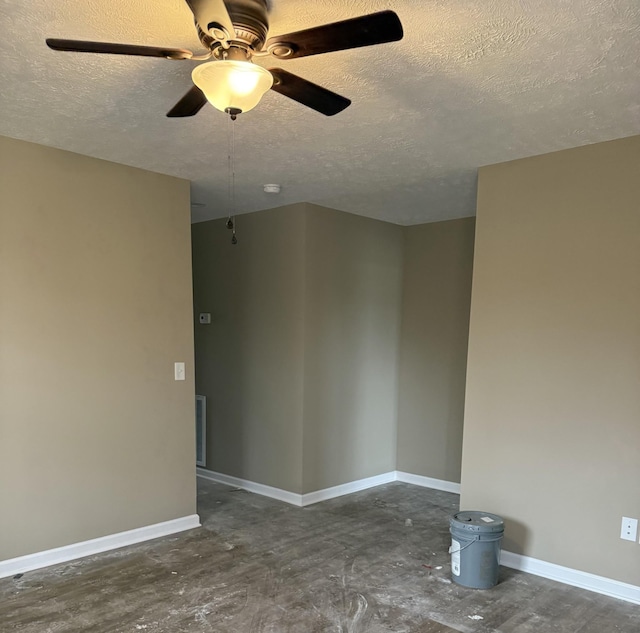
(231, 221)
(234, 239)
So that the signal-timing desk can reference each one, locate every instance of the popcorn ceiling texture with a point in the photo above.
(473, 82)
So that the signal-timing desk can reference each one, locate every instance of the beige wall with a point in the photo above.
(95, 307)
(299, 362)
(438, 261)
(352, 322)
(250, 358)
(552, 421)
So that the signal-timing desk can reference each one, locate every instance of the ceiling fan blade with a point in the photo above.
(190, 104)
(212, 14)
(79, 46)
(376, 28)
(307, 93)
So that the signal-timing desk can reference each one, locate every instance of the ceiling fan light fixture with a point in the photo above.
(231, 85)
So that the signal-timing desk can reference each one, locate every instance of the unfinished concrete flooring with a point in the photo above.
(371, 562)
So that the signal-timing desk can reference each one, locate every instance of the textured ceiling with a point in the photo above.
(473, 82)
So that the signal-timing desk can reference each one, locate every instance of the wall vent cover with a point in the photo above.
(201, 430)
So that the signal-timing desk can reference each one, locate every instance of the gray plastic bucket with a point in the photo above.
(476, 538)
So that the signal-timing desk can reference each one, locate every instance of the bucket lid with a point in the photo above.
(474, 521)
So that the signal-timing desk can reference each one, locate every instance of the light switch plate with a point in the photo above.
(178, 371)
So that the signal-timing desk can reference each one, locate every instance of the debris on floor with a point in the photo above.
(408, 522)
(475, 617)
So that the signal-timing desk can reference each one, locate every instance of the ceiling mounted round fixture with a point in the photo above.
(272, 188)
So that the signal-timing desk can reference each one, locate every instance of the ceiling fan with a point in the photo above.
(233, 32)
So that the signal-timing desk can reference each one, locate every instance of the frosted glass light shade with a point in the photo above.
(232, 84)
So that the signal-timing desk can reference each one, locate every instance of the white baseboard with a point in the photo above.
(327, 493)
(428, 482)
(292, 497)
(348, 488)
(572, 577)
(22, 564)
(251, 486)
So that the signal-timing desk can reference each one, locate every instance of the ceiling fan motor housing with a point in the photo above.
(250, 20)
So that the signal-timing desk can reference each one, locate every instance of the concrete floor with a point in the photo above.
(371, 562)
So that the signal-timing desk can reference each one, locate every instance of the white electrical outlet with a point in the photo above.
(629, 531)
